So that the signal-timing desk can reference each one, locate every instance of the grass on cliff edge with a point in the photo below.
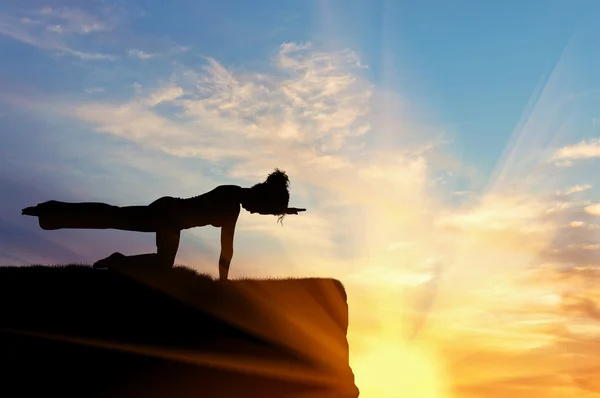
(177, 274)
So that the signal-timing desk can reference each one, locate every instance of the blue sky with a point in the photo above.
(447, 153)
(451, 80)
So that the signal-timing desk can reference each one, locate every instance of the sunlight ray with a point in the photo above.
(235, 363)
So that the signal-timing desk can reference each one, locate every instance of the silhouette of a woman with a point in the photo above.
(168, 216)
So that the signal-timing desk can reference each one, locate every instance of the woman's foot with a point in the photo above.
(113, 260)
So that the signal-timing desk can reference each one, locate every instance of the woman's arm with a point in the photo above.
(294, 210)
(227, 233)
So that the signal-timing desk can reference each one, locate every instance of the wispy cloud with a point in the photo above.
(135, 53)
(312, 104)
(577, 188)
(94, 90)
(144, 55)
(66, 20)
(582, 150)
(563, 163)
(309, 113)
(53, 29)
(86, 56)
(374, 214)
(509, 276)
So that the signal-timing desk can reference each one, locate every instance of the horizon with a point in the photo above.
(446, 156)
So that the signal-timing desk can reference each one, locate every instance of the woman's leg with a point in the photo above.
(167, 243)
(93, 215)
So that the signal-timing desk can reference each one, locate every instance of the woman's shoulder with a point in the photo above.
(228, 199)
(228, 190)
(221, 194)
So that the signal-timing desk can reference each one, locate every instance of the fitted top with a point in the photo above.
(218, 207)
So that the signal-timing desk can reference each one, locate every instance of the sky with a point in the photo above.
(446, 152)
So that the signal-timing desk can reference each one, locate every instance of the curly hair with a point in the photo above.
(274, 192)
(278, 178)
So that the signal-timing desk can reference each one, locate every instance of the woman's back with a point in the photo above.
(215, 208)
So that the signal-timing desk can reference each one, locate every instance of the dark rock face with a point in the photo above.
(78, 331)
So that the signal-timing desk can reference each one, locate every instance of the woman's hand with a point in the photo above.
(293, 210)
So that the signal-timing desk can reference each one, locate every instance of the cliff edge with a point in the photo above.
(79, 331)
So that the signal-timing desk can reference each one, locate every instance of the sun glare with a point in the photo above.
(388, 363)
(396, 369)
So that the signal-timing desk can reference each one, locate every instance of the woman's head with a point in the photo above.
(269, 197)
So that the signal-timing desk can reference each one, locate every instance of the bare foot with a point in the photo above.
(111, 261)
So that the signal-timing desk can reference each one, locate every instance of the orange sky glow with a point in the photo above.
(489, 298)
(492, 290)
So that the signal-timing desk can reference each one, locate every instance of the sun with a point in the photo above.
(393, 369)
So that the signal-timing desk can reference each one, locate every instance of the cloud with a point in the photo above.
(462, 193)
(313, 104)
(94, 90)
(53, 29)
(135, 53)
(504, 246)
(311, 113)
(582, 307)
(164, 95)
(308, 112)
(538, 332)
(64, 20)
(563, 163)
(144, 55)
(86, 56)
(583, 150)
(503, 220)
(593, 209)
(577, 188)
(374, 215)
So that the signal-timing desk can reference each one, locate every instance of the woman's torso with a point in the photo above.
(216, 207)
